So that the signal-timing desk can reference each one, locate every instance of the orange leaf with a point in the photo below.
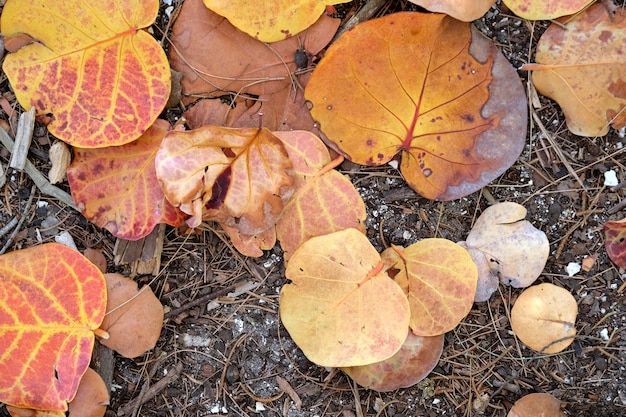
(545, 9)
(583, 68)
(51, 300)
(134, 317)
(251, 245)
(92, 397)
(341, 309)
(459, 9)
(421, 85)
(117, 188)
(442, 282)
(615, 241)
(231, 77)
(29, 412)
(238, 177)
(272, 21)
(100, 78)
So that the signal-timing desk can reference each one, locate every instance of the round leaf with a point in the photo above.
(341, 309)
(543, 314)
(92, 397)
(459, 9)
(537, 404)
(98, 78)
(427, 87)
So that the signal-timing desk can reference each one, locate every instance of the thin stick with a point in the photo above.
(21, 220)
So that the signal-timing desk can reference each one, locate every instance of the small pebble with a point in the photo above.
(573, 268)
(610, 178)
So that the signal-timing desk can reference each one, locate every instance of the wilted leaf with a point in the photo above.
(441, 282)
(543, 318)
(507, 248)
(583, 68)
(463, 10)
(251, 245)
(537, 405)
(117, 188)
(412, 363)
(134, 317)
(51, 300)
(545, 9)
(91, 71)
(615, 241)
(425, 86)
(271, 21)
(92, 397)
(341, 309)
(238, 177)
(238, 76)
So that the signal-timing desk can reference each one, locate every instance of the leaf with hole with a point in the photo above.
(425, 86)
(94, 74)
(583, 68)
(51, 301)
(615, 241)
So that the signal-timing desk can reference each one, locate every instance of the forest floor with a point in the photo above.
(223, 350)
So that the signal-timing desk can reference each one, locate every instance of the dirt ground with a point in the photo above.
(223, 350)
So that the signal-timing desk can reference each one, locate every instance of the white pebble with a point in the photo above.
(610, 178)
(573, 268)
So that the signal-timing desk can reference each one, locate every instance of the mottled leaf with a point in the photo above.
(341, 308)
(545, 9)
(251, 245)
(51, 300)
(272, 21)
(583, 68)
(90, 70)
(615, 241)
(429, 88)
(117, 188)
(412, 363)
(463, 10)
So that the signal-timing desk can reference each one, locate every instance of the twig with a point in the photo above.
(171, 376)
(21, 220)
(7, 227)
(40, 181)
(198, 301)
(23, 138)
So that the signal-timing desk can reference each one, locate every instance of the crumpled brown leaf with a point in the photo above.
(231, 77)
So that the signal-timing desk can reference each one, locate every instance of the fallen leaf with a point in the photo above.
(134, 317)
(52, 299)
(441, 283)
(92, 397)
(94, 74)
(60, 158)
(341, 309)
(588, 262)
(536, 405)
(429, 88)
(251, 245)
(545, 9)
(96, 257)
(582, 67)
(28, 412)
(505, 246)
(615, 241)
(412, 363)
(272, 21)
(237, 76)
(543, 318)
(117, 188)
(463, 10)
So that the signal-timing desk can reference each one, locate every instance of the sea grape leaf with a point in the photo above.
(273, 21)
(463, 10)
(92, 72)
(52, 299)
(429, 88)
(230, 77)
(238, 177)
(324, 201)
(615, 241)
(442, 283)
(536, 404)
(251, 245)
(341, 308)
(543, 318)
(29, 412)
(545, 9)
(583, 68)
(133, 319)
(117, 188)
(92, 397)
(417, 357)
(506, 247)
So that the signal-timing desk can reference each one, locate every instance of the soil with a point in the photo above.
(229, 354)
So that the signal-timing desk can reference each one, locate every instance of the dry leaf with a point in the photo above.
(60, 159)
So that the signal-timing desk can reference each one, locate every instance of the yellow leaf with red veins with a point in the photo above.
(341, 308)
(583, 68)
(425, 86)
(273, 21)
(90, 70)
(117, 188)
(238, 177)
(51, 301)
(442, 282)
(545, 9)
